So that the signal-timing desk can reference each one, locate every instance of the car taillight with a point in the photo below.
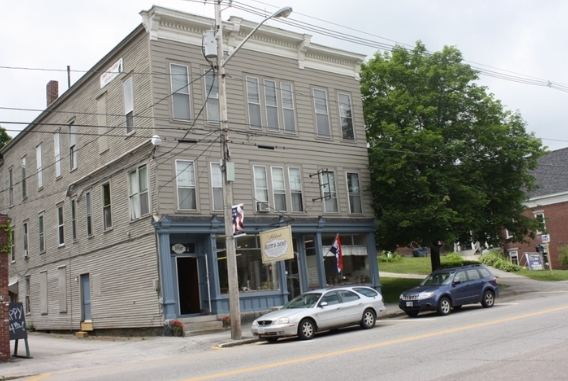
(495, 279)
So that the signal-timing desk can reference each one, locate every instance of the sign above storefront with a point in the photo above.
(276, 245)
(178, 248)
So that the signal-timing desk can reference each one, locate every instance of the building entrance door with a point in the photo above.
(188, 285)
(85, 297)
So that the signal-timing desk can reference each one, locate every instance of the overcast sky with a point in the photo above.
(521, 40)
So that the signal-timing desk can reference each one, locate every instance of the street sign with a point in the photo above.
(545, 238)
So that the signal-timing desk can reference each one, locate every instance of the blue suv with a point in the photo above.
(449, 288)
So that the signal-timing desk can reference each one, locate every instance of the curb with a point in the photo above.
(238, 342)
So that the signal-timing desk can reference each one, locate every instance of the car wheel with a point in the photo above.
(412, 313)
(457, 307)
(488, 299)
(444, 306)
(306, 330)
(271, 339)
(368, 319)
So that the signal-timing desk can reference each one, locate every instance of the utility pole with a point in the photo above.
(228, 172)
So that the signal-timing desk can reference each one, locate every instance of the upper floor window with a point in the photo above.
(57, 153)
(279, 188)
(180, 91)
(288, 107)
(329, 191)
(271, 104)
(25, 240)
(39, 167)
(346, 116)
(41, 233)
(10, 187)
(129, 105)
(295, 178)
(107, 215)
(253, 98)
(322, 113)
(217, 185)
(89, 213)
(13, 247)
(539, 216)
(260, 184)
(185, 177)
(354, 191)
(138, 195)
(212, 96)
(60, 226)
(23, 171)
(72, 147)
(74, 220)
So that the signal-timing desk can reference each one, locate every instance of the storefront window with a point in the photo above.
(253, 275)
(311, 261)
(356, 268)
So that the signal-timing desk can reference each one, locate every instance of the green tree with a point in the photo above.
(4, 137)
(447, 162)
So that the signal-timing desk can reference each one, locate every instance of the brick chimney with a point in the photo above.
(52, 91)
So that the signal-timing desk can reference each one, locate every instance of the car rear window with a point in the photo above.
(484, 272)
(366, 291)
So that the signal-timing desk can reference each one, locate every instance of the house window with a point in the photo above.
(329, 191)
(107, 215)
(271, 104)
(89, 213)
(72, 147)
(253, 97)
(41, 233)
(212, 96)
(43, 292)
(180, 92)
(185, 177)
(23, 172)
(39, 167)
(217, 185)
(539, 216)
(287, 96)
(294, 174)
(10, 187)
(62, 288)
(139, 199)
(27, 287)
(102, 122)
(25, 232)
(514, 256)
(74, 220)
(346, 116)
(129, 105)
(354, 191)
(60, 227)
(13, 247)
(279, 189)
(260, 184)
(508, 234)
(322, 113)
(57, 153)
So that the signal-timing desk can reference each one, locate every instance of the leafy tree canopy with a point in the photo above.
(447, 162)
(4, 138)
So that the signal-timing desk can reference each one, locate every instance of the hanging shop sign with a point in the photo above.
(276, 245)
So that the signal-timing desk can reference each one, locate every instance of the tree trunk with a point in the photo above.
(435, 256)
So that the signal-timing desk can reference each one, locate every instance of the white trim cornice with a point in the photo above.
(550, 199)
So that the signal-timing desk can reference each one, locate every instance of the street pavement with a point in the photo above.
(58, 352)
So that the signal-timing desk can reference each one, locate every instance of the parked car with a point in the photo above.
(321, 310)
(449, 288)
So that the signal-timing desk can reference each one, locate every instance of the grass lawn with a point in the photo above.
(544, 274)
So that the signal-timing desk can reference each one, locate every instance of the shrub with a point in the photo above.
(495, 259)
(563, 257)
(390, 257)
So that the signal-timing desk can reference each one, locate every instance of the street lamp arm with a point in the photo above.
(282, 12)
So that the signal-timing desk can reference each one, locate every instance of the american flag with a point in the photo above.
(336, 250)
(238, 220)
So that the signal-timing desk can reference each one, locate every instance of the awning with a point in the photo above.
(13, 285)
(346, 250)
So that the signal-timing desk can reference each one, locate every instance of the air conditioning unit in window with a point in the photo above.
(262, 206)
(26, 254)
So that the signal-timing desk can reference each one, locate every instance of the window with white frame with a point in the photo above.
(289, 115)
(279, 188)
(185, 178)
(539, 216)
(10, 187)
(25, 240)
(27, 287)
(217, 185)
(260, 186)
(89, 213)
(271, 105)
(39, 162)
(514, 256)
(354, 191)
(180, 92)
(60, 226)
(322, 113)
(329, 191)
(57, 153)
(346, 116)
(129, 105)
(13, 247)
(107, 213)
(253, 99)
(23, 172)
(41, 233)
(508, 234)
(138, 195)
(74, 220)
(295, 179)
(212, 97)
(72, 147)
(102, 123)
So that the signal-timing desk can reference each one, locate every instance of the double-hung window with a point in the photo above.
(107, 213)
(180, 91)
(57, 153)
(13, 247)
(25, 233)
(217, 185)
(89, 213)
(23, 171)
(260, 184)
(354, 191)
(271, 104)
(138, 194)
(129, 105)
(253, 99)
(287, 96)
(539, 216)
(185, 178)
(295, 178)
(74, 220)
(212, 97)
(41, 233)
(72, 147)
(39, 163)
(279, 189)
(60, 226)
(329, 191)
(322, 113)
(10, 187)
(346, 116)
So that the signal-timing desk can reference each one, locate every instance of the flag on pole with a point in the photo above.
(238, 220)
(336, 250)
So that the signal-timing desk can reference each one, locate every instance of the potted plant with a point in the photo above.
(226, 321)
(177, 328)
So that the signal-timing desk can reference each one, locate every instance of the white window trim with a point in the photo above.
(57, 153)
(128, 89)
(272, 106)
(72, 147)
(256, 187)
(89, 214)
(333, 194)
(292, 192)
(135, 196)
(326, 114)
(182, 91)
(23, 173)
(213, 187)
(339, 94)
(284, 109)
(60, 226)
(26, 234)
(74, 220)
(259, 104)
(41, 232)
(180, 186)
(349, 192)
(211, 95)
(540, 213)
(272, 168)
(39, 164)
(105, 207)
(11, 186)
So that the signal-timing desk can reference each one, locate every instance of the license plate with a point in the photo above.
(260, 331)
(409, 304)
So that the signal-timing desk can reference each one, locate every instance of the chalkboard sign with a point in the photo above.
(17, 322)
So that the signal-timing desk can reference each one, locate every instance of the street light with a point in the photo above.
(228, 168)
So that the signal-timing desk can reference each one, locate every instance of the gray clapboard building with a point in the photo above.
(115, 190)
